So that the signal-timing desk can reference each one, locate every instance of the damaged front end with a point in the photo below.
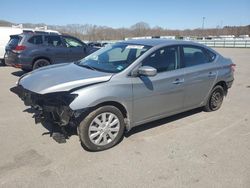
(52, 106)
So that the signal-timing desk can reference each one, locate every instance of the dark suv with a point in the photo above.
(32, 50)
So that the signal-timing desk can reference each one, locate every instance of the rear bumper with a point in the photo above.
(18, 61)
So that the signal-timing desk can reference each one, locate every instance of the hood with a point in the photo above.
(61, 77)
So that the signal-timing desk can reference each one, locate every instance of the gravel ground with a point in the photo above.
(193, 149)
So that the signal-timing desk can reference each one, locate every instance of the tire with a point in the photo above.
(40, 63)
(215, 99)
(2, 63)
(97, 136)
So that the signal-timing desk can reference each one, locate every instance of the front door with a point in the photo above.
(76, 48)
(162, 94)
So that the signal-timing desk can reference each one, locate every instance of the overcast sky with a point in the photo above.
(174, 14)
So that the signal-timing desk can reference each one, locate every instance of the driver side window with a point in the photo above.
(71, 42)
(164, 59)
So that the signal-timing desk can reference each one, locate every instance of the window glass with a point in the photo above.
(114, 58)
(211, 55)
(36, 39)
(194, 56)
(71, 42)
(53, 40)
(118, 54)
(165, 59)
(14, 40)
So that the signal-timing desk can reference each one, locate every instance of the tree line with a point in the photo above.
(94, 33)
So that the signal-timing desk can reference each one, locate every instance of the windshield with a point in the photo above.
(113, 58)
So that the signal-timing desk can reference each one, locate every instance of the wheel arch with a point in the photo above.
(116, 104)
(223, 84)
(41, 57)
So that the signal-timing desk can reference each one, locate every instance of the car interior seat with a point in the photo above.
(198, 58)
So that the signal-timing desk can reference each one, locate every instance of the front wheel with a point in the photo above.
(215, 99)
(102, 129)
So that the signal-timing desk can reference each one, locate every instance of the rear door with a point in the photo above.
(162, 94)
(57, 49)
(200, 74)
(77, 49)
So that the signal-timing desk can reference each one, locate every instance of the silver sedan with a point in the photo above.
(125, 85)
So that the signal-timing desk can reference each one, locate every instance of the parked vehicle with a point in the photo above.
(32, 50)
(5, 37)
(98, 45)
(95, 44)
(6, 32)
(125, 85)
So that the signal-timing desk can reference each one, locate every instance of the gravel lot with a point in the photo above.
(193, 149)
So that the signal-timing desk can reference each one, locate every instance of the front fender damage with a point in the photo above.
(53, 108)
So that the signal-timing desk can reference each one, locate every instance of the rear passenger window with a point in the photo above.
(194, 56)
(36, 39)
(53, 40)
(211, 55)
(164, 59)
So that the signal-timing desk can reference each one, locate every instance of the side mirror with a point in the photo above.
(147, 71)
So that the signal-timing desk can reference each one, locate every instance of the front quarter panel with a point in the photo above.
(116, 90)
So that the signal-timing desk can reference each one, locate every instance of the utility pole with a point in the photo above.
(203, 22)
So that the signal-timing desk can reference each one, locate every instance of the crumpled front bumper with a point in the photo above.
(53, 106)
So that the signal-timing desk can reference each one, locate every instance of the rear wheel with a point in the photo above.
(2, 63)
(40, 63)
(215, 99)
(102, 128)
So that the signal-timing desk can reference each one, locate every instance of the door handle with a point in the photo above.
(211, 74)
(178, 81)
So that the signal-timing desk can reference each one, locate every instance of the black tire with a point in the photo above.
(2, 63)
(40, 63)
(215, 99)
(83, 129)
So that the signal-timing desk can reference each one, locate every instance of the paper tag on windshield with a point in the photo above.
(135, 47)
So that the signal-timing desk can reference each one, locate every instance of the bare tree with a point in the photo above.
(94, 33)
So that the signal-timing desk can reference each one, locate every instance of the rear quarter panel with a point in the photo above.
(225, 72)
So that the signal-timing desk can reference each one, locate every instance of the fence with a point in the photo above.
(225, 43)
(219, 43)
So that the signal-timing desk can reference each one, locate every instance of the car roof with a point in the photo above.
(46, 33)
(156, 42)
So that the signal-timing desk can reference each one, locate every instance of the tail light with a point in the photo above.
(19, 48)
(233, 67)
